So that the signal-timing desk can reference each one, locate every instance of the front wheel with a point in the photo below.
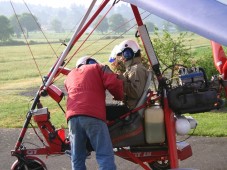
(160, 165)
(29, 164)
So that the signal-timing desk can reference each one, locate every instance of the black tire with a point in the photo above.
(160, 165)
(29, 165)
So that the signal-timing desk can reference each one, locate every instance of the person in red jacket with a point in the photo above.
(86, 112)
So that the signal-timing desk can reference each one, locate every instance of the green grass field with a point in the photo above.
(21, 74)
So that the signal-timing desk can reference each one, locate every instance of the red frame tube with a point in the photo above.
(168, 114)
(171, 153)
(171, 134)
(219, 58)
(137, 15)
(220, 63)
(137, 160)
(104, 3)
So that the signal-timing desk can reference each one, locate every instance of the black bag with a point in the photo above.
(185, 100)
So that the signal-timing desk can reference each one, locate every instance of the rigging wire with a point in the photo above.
(26, 40)
(88, 36)
(189, 136)
(79, 50)
(67, 36)
(42, 141)
(48, 42)
(110, 33)
(115, 38)
(40, 28)
(77, 34)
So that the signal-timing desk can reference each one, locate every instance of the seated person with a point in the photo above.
(134, 78)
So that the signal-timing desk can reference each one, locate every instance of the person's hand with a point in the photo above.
(119, 72)
(120, 75)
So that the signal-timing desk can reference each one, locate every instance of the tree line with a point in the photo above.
(26, 22)
(15, 25)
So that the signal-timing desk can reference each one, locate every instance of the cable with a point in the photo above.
(88, 36)
(187, 137)
(38, 135)
(31, 144)
(79, 48)
(26, 40)
(40, 28)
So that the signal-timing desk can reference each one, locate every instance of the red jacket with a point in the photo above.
(86, 87)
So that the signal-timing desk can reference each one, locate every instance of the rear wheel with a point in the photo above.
(29, 164)
(160, 165)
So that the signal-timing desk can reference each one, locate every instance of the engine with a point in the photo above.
(194, 94)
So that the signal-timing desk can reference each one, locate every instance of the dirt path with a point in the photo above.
(208, 154)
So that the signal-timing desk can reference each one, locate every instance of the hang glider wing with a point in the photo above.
(204, 17)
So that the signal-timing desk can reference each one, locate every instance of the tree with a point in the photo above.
(29, 22)
(5, 29)
(172, 51)
(117, 20)
(15, 25)
(56, 26)
(206, 61)
(103, 26)
(75, 14)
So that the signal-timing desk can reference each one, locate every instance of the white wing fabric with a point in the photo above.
(207, 18)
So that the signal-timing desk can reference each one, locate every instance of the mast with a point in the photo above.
(70, 45)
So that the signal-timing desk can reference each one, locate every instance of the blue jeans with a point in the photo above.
(82, 128)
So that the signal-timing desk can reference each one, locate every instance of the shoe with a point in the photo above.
(68, 153)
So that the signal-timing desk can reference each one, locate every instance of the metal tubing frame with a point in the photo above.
(169, 118)
(78, 33)
(168, 114)
(27, 121)
(170, 133)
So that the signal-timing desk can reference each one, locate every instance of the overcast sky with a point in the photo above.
(55, 3)
(67, 3)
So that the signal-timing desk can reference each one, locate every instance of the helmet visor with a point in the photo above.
(128, 53)
(91, 61)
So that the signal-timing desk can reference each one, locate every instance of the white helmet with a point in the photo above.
(128, 44)
(85, 60)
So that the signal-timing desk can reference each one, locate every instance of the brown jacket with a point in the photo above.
(134, 78)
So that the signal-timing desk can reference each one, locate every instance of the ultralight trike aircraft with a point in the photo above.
(147, 134)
